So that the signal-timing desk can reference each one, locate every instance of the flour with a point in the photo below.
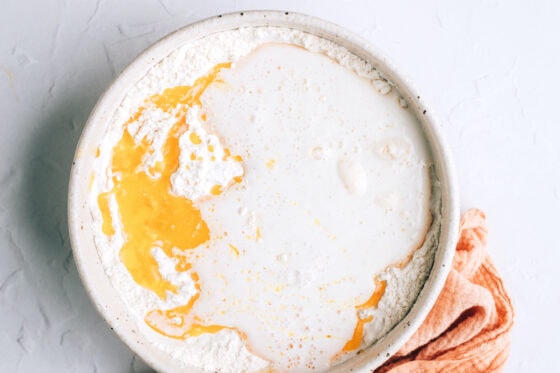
(404, 284)
(203, 166)
(247, 160)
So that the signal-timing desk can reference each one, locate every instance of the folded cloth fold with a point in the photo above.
(468, 328)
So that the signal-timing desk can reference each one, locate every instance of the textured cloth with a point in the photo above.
(468, 328)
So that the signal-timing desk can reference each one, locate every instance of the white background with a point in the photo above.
(489, 69)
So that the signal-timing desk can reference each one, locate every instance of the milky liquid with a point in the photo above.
(335, 189)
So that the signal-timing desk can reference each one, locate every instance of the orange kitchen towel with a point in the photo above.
(468, 328)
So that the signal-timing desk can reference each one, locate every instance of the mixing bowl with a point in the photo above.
(86, 255)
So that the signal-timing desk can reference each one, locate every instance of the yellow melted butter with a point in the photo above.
(152, 216)
(356, 340)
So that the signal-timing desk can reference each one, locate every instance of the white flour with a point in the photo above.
(380, 174)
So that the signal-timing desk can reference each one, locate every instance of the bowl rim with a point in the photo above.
(122, 323)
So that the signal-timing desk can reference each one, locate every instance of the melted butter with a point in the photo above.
(356, 340)
(376, 296)
(91, 180)
(107, 227)
(151, 215)
(216, 190)
(195, 139)
(234, 249)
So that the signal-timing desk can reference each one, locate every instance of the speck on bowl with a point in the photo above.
(98, 285)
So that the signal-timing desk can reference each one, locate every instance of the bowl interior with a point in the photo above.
(98, 285)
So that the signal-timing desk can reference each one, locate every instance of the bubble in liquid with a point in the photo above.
(353, 176)
(317, 153)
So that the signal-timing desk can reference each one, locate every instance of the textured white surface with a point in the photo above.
(489, 69)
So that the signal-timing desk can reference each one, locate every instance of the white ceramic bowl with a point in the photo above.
(98, 285)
